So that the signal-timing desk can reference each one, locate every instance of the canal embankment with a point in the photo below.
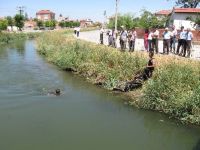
(174, 88)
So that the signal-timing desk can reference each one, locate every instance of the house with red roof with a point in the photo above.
(179, 17)
(45, 15)
(182, 17)
(163, 13)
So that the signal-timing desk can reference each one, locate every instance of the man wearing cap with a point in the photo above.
(166, 40)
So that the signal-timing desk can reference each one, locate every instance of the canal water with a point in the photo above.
(84, 117)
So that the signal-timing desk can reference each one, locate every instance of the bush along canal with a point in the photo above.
(84, 117)
(174, 88)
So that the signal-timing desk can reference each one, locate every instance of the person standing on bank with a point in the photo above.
(114, 35)
(189, 37)
(101, 35)
(132, 38)
(155, 40)
(166, 41)
(181, 41)
(123, 39)
(75, 28)
(173, 40)
(146, 34)
(78, 31)
(150, 35)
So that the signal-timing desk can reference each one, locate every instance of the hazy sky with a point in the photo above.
(83, 9)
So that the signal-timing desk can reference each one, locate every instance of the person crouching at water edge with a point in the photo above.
(139, 78)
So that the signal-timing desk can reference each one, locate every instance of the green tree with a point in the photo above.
(50, 24)
(40, 23)
(149, 20)
(126, 20)
(188, 3)
(10, 21)
(62, 24)
(19, 21)
(3, 24)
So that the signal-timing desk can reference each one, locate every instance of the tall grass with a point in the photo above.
(99, 64)
(9, 37)
(174, 88)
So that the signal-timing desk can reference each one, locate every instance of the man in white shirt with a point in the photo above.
(123, 38)
(132, 38)
(150, 40)
(189, 37)
(155, 40)
(173, 40)
(181, 42)
(166, 40)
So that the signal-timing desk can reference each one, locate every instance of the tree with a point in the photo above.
(50, 24)
(62, 24)
(3, 24)
(40, 23)
(149, 20)
(187, 3)
(19, 21)
(10, 21)
(126, 20)
(146, 20)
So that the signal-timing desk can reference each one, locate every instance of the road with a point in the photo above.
(93, 36)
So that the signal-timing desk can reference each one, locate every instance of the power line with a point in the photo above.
(21, 10)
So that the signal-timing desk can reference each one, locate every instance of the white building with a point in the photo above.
(181, 17)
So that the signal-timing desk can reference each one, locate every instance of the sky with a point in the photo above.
(83, 9)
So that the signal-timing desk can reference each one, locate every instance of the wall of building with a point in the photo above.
(181, 19)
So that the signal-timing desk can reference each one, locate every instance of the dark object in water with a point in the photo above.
(57, 92)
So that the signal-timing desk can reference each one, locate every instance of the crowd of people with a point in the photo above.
(151, 40)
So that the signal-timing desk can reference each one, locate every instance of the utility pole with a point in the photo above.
(21, 10)
(116, 15)
(105, 18)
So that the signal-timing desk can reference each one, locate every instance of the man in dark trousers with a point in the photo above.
(181, 41)
(166, 41)
(101, 35)
(155, 38)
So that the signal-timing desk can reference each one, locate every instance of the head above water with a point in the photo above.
(57, 92)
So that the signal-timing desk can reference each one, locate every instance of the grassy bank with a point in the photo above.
(174, 88)
(10, 37)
